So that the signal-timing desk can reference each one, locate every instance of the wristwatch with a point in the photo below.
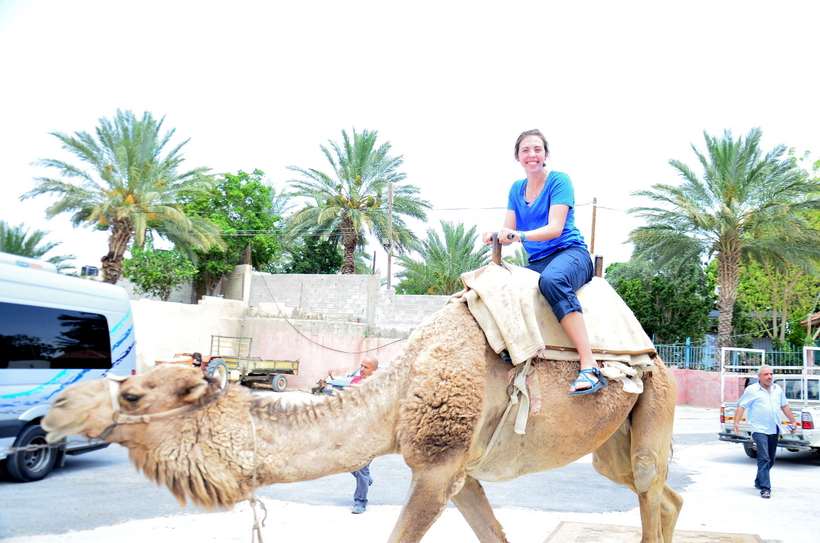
(522, 236)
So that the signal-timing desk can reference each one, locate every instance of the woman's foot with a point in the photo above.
(589, 381)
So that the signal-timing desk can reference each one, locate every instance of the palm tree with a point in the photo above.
(19, 240)
(442, 261)
(746, 206)
(128, 188)
(519, 258)
(352, 201)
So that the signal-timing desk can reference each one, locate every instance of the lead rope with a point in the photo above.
(256, 531)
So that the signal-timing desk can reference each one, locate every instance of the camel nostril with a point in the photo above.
(60, 402)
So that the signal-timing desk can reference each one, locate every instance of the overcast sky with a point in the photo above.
(618, 88)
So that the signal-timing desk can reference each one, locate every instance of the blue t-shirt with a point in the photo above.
(557, 190)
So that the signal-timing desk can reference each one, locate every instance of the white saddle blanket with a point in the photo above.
(512, 312)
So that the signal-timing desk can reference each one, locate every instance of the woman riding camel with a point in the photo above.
(540, 215)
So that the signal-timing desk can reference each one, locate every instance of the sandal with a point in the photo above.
(583, 378)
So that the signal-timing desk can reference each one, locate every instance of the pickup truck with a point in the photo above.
(803, 395)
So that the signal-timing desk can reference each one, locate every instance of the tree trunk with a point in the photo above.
(728, 279)
(349, 244)
(121, 232)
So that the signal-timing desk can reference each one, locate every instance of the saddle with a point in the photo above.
(508, 306)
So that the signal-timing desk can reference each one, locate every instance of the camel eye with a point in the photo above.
(131, 398)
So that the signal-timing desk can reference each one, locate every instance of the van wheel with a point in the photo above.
(279, 383)
(750, 449)
(26, 466)
(218, 369)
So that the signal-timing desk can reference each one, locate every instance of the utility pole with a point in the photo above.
(594, 211)
(389, 235)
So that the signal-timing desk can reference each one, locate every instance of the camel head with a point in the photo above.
(87, 408)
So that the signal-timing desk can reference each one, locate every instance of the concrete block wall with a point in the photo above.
(399, 314)
(328, 297)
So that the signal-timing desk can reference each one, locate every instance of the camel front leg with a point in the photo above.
(474, 506)
(430, 490)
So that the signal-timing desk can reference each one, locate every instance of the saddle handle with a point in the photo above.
(497, 247)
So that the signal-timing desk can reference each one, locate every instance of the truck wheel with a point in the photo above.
(750, 449)
(26, 466)
(279, 383)
(218, 369)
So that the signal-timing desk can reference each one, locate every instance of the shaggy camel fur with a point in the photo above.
(437, 405)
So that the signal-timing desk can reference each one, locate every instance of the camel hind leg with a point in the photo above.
(651, 447)
(637, 456)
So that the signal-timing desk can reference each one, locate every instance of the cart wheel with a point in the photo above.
(751, 450)
(218, 369)
(278, 382)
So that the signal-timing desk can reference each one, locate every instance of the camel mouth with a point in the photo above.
(53, 434)
(57, 430)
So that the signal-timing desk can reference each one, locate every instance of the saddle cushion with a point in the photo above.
(512, 312)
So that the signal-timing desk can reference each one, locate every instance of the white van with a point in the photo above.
(55, 330)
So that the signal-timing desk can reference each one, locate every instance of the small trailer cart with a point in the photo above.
(231, 360)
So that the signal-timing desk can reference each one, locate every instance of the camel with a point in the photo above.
(437, 405)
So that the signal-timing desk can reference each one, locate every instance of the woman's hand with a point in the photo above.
(487, 237)
(507, 236)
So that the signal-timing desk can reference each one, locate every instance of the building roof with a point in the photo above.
(815, 319)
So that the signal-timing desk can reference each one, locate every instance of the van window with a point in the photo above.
(46, 338)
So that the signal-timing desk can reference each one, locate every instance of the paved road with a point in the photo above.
(102, 488)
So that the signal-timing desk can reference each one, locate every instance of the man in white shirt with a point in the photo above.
(764, 401)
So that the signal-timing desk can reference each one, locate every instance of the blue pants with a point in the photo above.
(563, 273)
(766, 451)
(363, 482)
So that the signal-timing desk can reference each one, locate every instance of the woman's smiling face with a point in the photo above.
(532, 154)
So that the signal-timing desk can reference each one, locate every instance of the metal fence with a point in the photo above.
(707, 357)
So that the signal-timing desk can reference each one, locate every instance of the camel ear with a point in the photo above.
(191, 391)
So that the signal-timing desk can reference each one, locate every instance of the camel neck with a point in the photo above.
(332, 435)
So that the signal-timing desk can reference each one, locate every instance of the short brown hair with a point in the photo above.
(533, 132)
